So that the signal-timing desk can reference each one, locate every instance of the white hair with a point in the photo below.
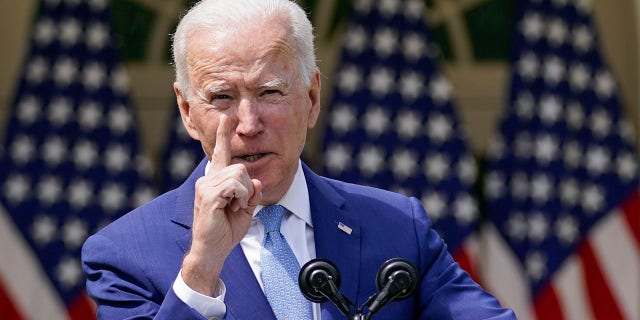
(222, 14)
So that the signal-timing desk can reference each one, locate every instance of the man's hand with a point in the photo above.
(223, 207)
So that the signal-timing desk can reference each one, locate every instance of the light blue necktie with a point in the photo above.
(280, 269)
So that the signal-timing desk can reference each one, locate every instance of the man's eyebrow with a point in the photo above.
(275, 83)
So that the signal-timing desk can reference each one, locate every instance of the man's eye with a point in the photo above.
(221, 97)
(268, 92)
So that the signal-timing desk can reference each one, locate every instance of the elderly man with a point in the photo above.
(229, 242)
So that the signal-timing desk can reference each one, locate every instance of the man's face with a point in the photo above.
(250, 76)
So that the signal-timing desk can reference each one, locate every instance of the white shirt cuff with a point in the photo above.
(210, 307)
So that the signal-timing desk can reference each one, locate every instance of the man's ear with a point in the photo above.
(314, 97)
(185, 112)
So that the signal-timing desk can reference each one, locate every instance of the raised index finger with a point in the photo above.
(221, 157)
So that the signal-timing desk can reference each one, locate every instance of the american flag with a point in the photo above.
(392, 123)
(181, 155)
(70, 163)
(562, 181)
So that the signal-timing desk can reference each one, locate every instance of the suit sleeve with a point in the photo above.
(446, 290)
(121, 289)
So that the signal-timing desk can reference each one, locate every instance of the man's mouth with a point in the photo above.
(252, 157)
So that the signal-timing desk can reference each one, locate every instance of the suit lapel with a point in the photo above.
(333, 243)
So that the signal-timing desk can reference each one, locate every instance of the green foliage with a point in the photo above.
(133, 26)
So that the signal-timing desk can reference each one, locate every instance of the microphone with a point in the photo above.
(397, 279)
(319, 281)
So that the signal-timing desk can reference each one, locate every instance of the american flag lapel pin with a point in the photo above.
(345, 228)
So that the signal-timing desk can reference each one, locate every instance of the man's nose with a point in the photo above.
(249, 119)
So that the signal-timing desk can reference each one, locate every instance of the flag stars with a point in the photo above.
(45, 32)
(116, 158)
(120, 80)
(550, 109)
(44, 229)
(89, 115)
(541, 187)
(389, 8)
(520, 186)
(37, 70)
(408, 124)
(403, 164)
(60, 111)
(68, 272)
(54, 150)
(537, 227)
(557, 32)
(70, 31)
(465, 210)
(575, 116)
(80, 193)
(597, 160)
(74, 232)
(355, 40)
(439, 128)
(370, 160)
(604, 85)
(592, 199)
(435, 204)
(567, 229)
(414, 9)
(411, 85)
(532, 26)
(528, 66)
(494, 184)
(349, 79)
(381, 81)
(97, 36)
(413, 46)
(600, 123)
(120, 120)
(28, 109)
(112, 197)
(466, 169)
(343, 119)
(85, 154)
(436, 167)
(440, 90)
(583, 39)
(376, 121)
(49, 190)
(22, 149)
(579, 77)
(385, 42)
(572, 154)
(536, 265)
(626, 166)
(64, 71)
(338, 157)
(181, 163)
(525, 105)
(569, 192)
(17, 188)
(546, 149)
(93, 76)
(554, 70)
(516, 227)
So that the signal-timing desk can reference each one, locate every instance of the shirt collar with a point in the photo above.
(296, 199)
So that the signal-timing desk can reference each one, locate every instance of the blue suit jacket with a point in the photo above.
(132, 263)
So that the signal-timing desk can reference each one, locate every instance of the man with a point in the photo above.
(248, 89)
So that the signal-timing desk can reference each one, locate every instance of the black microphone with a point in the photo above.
(397, 279)
(319, 281)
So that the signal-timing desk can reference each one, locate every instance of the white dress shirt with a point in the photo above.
(296, 228)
